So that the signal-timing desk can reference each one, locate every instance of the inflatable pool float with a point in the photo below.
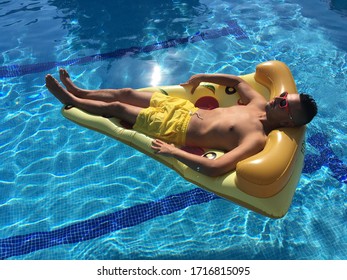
(265, 182)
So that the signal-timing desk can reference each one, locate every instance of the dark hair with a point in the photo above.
(309, 107)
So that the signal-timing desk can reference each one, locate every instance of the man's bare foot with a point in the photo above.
(58, 91)
(70, 86)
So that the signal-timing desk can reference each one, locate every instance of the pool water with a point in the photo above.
(71, 193)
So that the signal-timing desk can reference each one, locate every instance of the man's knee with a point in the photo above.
(115, 106)
(134, 97)
(123, 111)
(127, 91)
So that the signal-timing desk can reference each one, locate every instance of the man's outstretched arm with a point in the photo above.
(213, 168)
(220, 79)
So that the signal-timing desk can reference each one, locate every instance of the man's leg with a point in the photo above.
(125, 95)
(116, 109)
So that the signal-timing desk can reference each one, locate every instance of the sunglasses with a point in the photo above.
(284, 104)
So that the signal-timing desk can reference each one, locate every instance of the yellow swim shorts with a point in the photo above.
(166, 118)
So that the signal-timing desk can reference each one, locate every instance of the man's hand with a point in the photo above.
(163, 148)
(194, 81)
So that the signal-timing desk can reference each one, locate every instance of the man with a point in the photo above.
(240, 131)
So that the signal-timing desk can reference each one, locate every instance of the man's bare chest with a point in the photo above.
(223, 128)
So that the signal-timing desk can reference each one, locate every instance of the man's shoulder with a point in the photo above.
(256, 138)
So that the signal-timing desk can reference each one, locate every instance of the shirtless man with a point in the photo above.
(240, 131)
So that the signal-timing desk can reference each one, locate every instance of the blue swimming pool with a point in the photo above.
(71, 193)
